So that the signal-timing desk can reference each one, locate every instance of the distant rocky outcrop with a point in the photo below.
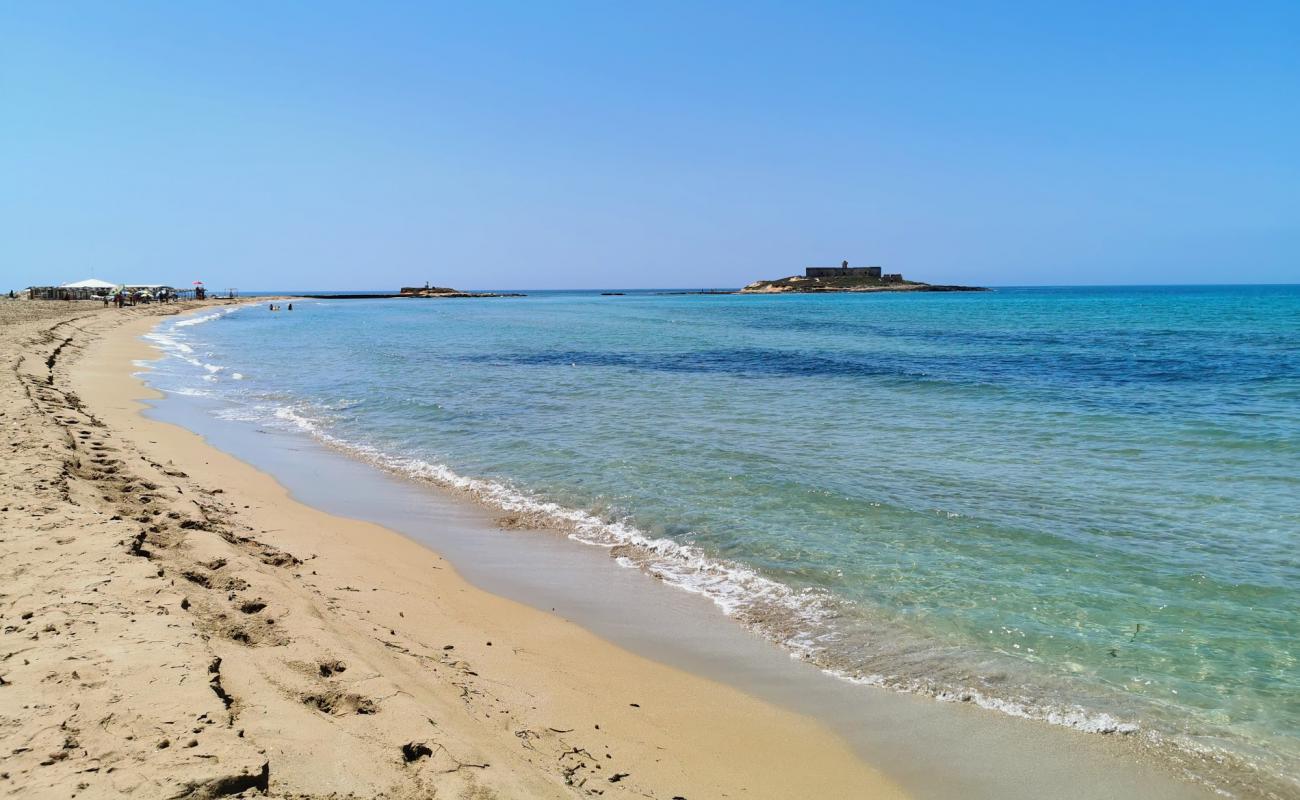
(801, 284)
(442, 291)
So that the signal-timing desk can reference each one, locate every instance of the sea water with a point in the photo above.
(1075, 504)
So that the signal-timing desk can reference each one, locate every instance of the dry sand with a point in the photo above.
(175, 625)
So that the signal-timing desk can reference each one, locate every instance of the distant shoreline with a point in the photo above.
(380, 294)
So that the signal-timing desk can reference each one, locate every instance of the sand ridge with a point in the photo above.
(174, 625)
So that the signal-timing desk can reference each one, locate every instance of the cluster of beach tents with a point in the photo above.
(96, 289)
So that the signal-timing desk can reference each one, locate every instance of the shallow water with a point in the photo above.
(1077, 504)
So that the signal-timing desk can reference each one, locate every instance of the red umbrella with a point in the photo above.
(198, 283)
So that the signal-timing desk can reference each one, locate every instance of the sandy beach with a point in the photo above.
(175, 625)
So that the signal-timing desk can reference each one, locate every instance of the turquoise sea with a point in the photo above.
(1076, 504)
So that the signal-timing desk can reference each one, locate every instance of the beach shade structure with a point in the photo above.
(89, 283)
(87, 289)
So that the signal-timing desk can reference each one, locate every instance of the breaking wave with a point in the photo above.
(172, 341)
(188, 321)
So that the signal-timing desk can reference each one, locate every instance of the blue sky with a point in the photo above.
(559, 145)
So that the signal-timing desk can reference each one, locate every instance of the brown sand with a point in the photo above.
(175, 625)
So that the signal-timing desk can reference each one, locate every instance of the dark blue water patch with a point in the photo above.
(1076, 369)
(740, 361)
(1233, 351)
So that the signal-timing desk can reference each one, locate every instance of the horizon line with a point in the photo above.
(717, 288)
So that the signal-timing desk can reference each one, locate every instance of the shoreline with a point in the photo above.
(928, 749)
(988, 742)
(293, 651)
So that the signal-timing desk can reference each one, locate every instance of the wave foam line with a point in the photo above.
(800, 620)
(188, 321)
(170, 340)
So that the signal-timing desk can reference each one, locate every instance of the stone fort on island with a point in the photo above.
(844, 270)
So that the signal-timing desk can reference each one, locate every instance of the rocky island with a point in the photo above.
(849, 279)
(442, 291)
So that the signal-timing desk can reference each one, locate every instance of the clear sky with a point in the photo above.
(289, 145)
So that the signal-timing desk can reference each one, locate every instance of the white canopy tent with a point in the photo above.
(90, 287)
(89, 283)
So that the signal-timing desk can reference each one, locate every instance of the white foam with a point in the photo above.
(168, 342)
(171, 341)
(1075, 717)
(188, 321)
(241, 413)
